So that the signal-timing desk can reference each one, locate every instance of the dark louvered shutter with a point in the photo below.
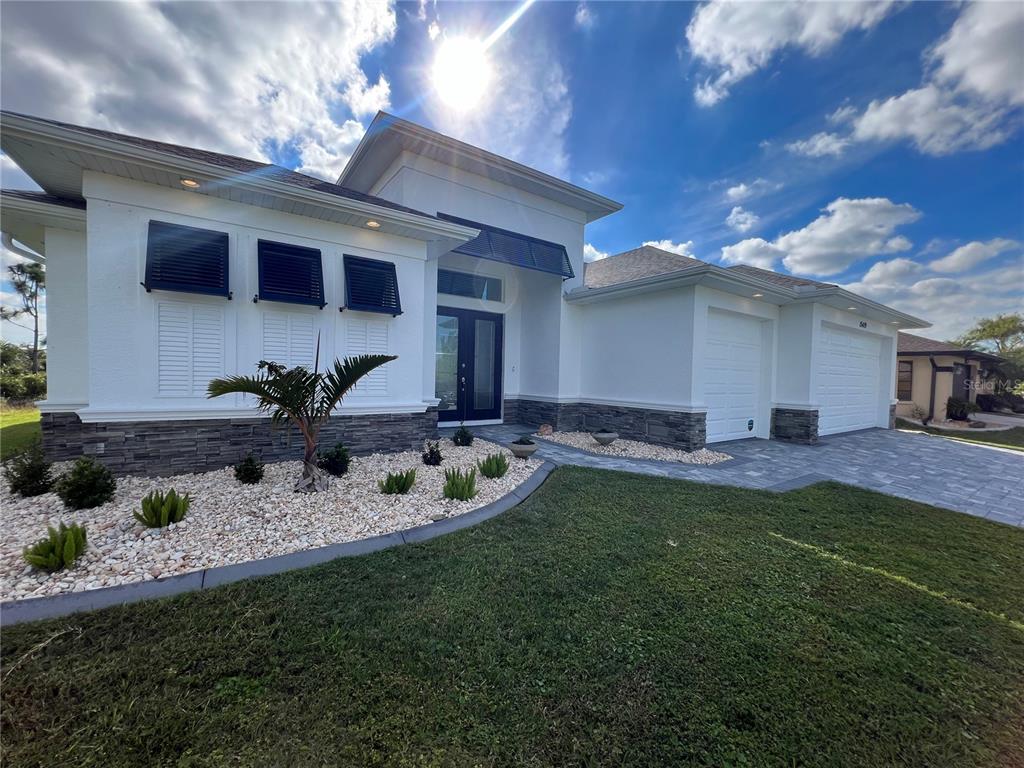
(290, 273)
(371, 286)
(187, 259)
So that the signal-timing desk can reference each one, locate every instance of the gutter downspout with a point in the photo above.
(931, 395)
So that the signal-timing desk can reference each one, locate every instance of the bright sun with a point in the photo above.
(461, 72)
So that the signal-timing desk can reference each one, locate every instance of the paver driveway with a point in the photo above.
(958, 476)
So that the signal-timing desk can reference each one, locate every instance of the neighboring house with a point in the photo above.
(930, 372)
(168, 266)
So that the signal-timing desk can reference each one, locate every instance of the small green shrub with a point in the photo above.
(959, 410)
(249, 470)
(459, 485)
(494, 465)
(23, 386)
(160, 510)
(432, 456)
(58, 550)
(87, 485)
(462, 436)
(397, 482)
(28, 472)
(335, 461)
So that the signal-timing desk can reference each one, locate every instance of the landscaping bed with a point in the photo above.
(611, 619)
(229, 522)
(634, 449)
(1006, 437)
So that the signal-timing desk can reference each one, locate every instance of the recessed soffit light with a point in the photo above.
(373, 224)
(757, 295)
(190, 183)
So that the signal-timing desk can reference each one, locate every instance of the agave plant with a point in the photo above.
(301, 398)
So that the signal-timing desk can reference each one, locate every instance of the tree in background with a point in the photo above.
(29, 282)
(1002, 335)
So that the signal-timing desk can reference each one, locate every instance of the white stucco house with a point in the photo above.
(168, 266)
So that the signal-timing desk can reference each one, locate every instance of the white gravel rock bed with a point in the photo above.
(229, 522)
(634, 449)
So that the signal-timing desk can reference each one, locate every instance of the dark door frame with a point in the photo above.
(465, 368)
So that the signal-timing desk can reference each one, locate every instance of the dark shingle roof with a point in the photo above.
(787, 281)
(41, 197)
(233, 163)
(645, 261)
(908, 343)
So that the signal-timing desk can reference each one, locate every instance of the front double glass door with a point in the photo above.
(468, 373)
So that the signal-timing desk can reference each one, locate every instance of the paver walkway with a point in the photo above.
(944, 473)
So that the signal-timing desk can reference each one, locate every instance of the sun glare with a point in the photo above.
(461, 72)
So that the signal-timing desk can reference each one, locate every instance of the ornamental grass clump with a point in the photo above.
(87, 485)
(160, 510)
(494, 465)
(459, 485)
(397, 482)
(335, 461)
(61, 547)
(432, 456)
(462, 437)
(28, 472)
(249, 470)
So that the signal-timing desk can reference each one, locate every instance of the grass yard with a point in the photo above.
(1012, 438)
(612, 619)
(19, 427)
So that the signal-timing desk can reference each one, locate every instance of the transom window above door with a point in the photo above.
(469, 285)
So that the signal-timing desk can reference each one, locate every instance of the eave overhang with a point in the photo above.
(745, 286)
(55, 157)
(26, 219)
(388, 136)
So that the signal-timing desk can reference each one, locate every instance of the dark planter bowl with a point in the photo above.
(605, 438)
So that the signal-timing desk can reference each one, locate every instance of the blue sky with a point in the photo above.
(876, 145)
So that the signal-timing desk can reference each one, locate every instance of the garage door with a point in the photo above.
(849, 386)
(732, 375)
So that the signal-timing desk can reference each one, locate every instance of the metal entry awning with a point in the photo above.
(513, 248)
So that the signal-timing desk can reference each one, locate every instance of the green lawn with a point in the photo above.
(1008, 438)
(18, 428)
(612, 619)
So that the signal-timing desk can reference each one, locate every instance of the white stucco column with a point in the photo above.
(67, 327)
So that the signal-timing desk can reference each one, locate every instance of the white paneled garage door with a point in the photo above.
(732, 375)
(849, 384)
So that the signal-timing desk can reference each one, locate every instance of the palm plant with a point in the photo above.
(302, 398)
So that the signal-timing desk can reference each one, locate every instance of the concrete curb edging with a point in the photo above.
(36, 608)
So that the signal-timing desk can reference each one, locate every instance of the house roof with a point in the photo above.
(40, 197)
(388, 136)
(645, 261)
(780, 279)
(229, 162)
(909, 344)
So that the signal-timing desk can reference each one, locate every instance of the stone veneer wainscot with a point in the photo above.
(200, 445)
(795, 425)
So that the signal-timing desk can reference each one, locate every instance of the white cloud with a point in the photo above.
(681, 249)
(526, 113)
(754, 251)
(952, 305)
(743, 191)
(970, 95)
(239, 78)
(590, 253)
(820, 145)
(12, 177)
(734, 40)
(970, 255)
(741, 220)
(846, 232)
(433, 30)
(935, 120)
(584, 17)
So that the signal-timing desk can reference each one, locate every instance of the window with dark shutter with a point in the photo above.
(290, 273)
(186, 259)
(905, 380)
(471, 286)
(371, 286)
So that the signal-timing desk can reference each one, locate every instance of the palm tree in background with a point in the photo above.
(29, 282)
(302, 398)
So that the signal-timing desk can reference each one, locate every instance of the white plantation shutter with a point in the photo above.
(289, 338)
(369, 337)
(190, 348)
